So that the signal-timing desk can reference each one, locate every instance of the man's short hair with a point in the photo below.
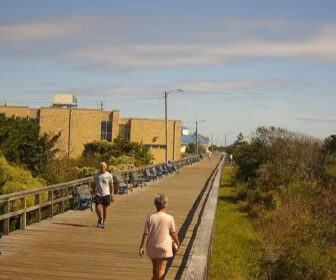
(103, 164)
(160, 201)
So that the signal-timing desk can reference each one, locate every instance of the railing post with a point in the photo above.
(23, 217)
(51, 206)
(38, 211)
(6, 221)
(62, 202)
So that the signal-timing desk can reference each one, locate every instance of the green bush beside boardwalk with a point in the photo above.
(276, 219)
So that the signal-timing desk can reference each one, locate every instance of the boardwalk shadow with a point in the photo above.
(72, 225)
(184, 229)
(83, 208)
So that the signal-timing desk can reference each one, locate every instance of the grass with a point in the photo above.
(236, 253)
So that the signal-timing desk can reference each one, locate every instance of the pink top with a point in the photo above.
(158, 227)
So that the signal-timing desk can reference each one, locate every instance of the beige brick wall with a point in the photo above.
(145, 131)
(86, 125)
(114, 117)
(18, 111)
(10, 111)
(159, 155)
(85, 128)
(53, 121)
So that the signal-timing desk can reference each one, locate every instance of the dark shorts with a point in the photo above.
(103, 200)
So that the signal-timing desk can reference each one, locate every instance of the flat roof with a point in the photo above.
(10, 106)
(148, 119)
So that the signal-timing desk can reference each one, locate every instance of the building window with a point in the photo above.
(124, 131)
(106, 131)
(156, 147)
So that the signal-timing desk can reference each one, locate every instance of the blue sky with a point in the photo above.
(243, 64)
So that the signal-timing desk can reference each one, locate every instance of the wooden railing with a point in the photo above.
(41, 203)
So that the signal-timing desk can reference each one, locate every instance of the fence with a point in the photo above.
(47, 201)
(199, 262)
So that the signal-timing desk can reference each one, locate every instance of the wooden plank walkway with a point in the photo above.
(69, 246)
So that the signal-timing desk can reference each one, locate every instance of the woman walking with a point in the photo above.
(159, 238)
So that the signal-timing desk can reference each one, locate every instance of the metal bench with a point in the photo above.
(169, 171)
(135, 179)
(84, 196)
(177, 167)
(162, 170)
(121, 185)
(148, 176)
(154, 172)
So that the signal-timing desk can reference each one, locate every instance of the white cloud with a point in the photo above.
(321, 49)
(116, 43)
(46, 29)
(196, 87)
(318, 119)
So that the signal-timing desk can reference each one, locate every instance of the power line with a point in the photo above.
(143, 106)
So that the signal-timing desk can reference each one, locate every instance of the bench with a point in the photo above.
(166, 169)
(136, 180)
(177, 166)
(84, 196)
(156, 173)
(160, 171)
(148, 176)
(121, 185)
(163, 171)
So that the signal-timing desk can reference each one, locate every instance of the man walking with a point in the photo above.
(104, 194)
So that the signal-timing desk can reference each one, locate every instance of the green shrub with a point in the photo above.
(290, 184)
(105, 151)
(15, 179)
(305, 254)
(22, 144)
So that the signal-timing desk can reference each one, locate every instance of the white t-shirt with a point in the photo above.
(159, 226)
(103, 182)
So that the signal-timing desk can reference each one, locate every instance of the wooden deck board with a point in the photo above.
(69, 246)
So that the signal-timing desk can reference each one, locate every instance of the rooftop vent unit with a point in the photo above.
(67, 100)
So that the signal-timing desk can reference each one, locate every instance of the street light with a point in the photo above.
(166, 118)
(197, 134)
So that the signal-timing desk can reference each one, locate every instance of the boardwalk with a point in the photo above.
(69, 246)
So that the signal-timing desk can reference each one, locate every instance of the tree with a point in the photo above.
(330, 144)
(191, 149)
(21, 143)
(120, 147)
(213, 147)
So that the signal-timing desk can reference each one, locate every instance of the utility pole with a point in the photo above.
(225, 139)
(166, 120)
(197, 135)
(212, 142)
(196, 139)
(166, 117)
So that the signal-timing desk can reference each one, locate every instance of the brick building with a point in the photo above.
(81, 126)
